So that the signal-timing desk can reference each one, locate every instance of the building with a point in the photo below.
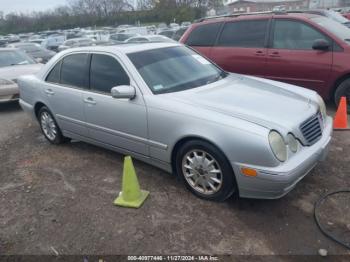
(265, 5)
(329, 3)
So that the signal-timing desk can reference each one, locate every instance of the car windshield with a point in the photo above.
(339, 30)
(9, 58)
(30, 48)
(173, 69)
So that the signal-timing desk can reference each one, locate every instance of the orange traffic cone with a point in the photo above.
(341, 116)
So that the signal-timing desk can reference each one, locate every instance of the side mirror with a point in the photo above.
(126, 92)
(321, 44)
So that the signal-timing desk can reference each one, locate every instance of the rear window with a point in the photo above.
(203, 35)
(54, 75)
(244, 34)
(74, 70)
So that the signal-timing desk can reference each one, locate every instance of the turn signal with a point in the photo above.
(249, 172)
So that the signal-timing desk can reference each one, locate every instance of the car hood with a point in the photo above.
(271, 104)
(13, 72)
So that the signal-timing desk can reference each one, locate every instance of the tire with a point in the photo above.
(49, 127)
(343, 90)
(198, 173)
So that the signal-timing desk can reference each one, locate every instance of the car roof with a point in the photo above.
(8, 49)
(257, 15)
(24, 44)
(125, 48)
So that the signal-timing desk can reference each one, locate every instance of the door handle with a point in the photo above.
(49, 92)
(259, 53)
(275, 54)
(90, 101)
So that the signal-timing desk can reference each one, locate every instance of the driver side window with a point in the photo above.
(295, 35)
(105, 73)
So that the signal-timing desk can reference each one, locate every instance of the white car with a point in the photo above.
(13, 64)
(150, 39)
(76, 42)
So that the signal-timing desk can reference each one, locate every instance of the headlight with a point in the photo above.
(322, 107)
(5, 82)
(292, 143)
(278, 146)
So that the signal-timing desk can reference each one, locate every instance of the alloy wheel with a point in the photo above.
(202, 172)
(48, 126)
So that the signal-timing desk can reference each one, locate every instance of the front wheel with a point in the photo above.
(49, 126)
(205, 171)
(343, 90)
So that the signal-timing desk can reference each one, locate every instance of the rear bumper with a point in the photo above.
(9, 93)
(271, 183)
(27, 107)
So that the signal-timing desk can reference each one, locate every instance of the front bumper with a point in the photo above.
(275, 182)
(9, 93)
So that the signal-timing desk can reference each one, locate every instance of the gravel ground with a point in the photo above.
(60, 198)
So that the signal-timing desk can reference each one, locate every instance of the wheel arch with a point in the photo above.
(337, 82)
(37, 107)
(185, 139)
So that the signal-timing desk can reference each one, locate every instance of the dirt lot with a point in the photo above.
(60, 198)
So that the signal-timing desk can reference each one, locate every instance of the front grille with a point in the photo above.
(312, 129)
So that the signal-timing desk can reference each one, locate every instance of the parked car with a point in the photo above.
(142, 30)
(39, 53)
(53, 41)
(3, 42)
(121, 37)
(303, 49)
(168, 33)
(149, 38)
(174, 26)
(179, 33)
(37, 41)
(336, 16)
(346, 15)
(185, 24)
(13, 64)
(76, 42)
(167, 105)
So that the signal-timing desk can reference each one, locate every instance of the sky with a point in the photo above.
(25, 6)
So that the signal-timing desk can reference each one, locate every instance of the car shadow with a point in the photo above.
(9, 107)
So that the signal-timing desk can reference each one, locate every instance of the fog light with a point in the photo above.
(249, 172)
(293, 143)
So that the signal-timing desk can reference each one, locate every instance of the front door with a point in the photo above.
(292, 59)
(118, 122)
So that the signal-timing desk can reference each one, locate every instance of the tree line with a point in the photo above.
(83, 13)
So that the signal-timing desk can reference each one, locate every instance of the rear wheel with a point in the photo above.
(343, 90)
(49, 126)
(205, 171)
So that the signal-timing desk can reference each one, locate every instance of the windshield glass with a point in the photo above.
(174, 69)
(341, 31)
(30, 48)
(337, 17)
(9, 58)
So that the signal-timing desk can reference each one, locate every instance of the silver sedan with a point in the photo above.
(167, 105)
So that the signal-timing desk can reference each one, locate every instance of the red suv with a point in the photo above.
(303, 49)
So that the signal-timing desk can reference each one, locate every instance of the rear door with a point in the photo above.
(241, 47)
(64, 85)
(292, 59)
(203, 37)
